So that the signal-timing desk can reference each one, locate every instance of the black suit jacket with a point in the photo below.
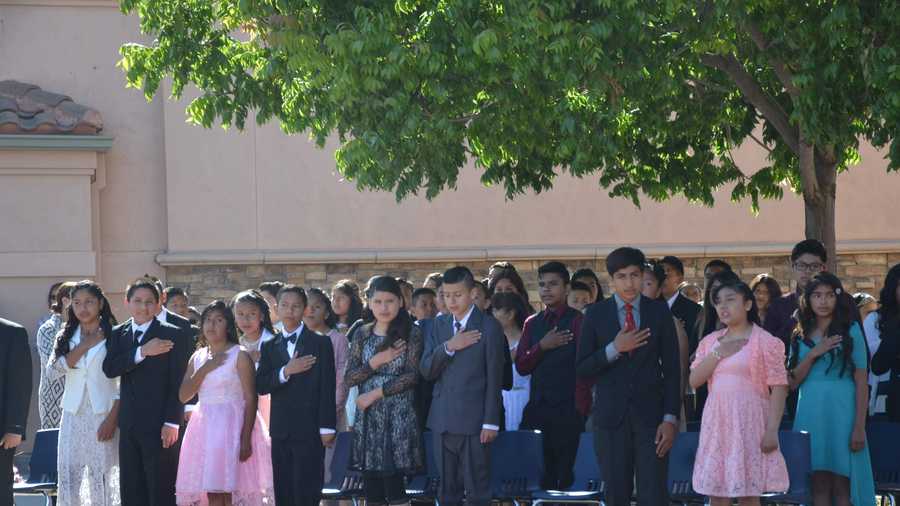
(647, 382)
(190, 333)
(887, 358)
(15, 378)
(306, 402)
(467, 385)
(149, 389)
(687, 311)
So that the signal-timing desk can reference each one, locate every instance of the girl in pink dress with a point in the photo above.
(738, 455)
(226, 454)
(253, 317)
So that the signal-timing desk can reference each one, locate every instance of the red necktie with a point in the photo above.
(629, 318)
(629, 322)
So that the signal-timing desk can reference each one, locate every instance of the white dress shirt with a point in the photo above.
(672, 299)
(291, 348)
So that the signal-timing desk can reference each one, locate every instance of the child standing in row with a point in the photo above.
(743, 364)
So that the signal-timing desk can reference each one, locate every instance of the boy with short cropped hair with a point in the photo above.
(558, 402)
(629, 346)
(424, 306)
(580, 295)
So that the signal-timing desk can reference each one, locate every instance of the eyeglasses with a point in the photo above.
(814, 267)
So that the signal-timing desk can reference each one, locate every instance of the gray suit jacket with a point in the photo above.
(467, 385)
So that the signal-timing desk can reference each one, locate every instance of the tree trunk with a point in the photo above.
(819, 209)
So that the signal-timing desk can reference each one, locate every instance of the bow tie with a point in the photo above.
(293, 338)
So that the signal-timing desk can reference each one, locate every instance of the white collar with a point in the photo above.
(671, 300)
(297, 332)
(162, 314)
(465, 319)
(142, 328)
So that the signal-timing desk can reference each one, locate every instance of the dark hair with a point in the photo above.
(400, 327)
(290, 288)
(513, 276)
(502, 265)
(405, 282)
(63, 291)
(621, 258)
(710, 316)
(330, 317)
(589, 273)
(810, 246)
(351, 290)
(107, 320)
(717, 262)
(657, 270)
(419, 292)
(174, 291)
(555, 268)
(770, 283)
(459, 274)
(231, 332)
(578, 285)
(673, 262)
(142, 283)
(51, 295)
(481, 285)
(437, 277)
(844, 316)
(744, 290)
(889, 311)
(156, 281)
(511, 302)
(270, 287)
(255, 297)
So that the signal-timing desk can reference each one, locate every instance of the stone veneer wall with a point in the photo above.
(859, 272)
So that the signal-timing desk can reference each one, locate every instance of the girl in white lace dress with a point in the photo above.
(88, 456)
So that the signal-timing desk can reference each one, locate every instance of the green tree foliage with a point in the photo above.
(649, 96)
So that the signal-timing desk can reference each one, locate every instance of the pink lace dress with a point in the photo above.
(730, 461)
(209, 461)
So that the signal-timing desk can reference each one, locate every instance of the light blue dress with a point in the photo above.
(826, 409)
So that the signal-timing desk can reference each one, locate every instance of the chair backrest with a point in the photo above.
(42, 466)
(587, 469)
(517, 463)
(426, 482)
(884, 447)
(681, 466)
(795, 447)
(340, 462)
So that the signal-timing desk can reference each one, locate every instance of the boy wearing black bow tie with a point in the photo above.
(297, 369)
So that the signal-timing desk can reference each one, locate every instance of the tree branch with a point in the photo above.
(781, 70)
(769, 108)
(761, 143)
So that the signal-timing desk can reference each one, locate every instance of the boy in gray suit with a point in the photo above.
(464, 357)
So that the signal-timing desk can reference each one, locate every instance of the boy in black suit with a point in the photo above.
(15, 398)
(559, 402)
(150, 357)
(629, 346)
(297, 369)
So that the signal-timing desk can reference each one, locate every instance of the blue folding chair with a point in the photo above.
(884, 450)
(681, 469)
(797, 455)
(588, 486)
(42, 471)
(344, 484)
(424, 487)
(517, 463)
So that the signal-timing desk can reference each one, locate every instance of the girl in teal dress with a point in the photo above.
(829, 366)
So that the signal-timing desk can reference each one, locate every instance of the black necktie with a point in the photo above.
(457, 326)
(292, 338)
(137, 336)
